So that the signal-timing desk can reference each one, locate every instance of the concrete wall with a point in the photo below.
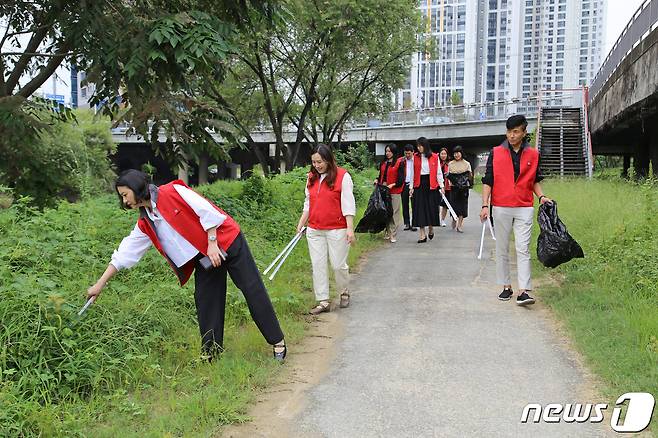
(633, 84)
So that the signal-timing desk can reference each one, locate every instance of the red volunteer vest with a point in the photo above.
(446, 181)
(434, 165)
(391, 176)
(325, 212)
(184, 220)
(509, 193)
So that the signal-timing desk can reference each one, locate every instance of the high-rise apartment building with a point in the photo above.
(492, 50)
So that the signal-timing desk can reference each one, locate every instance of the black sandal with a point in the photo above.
(279, 356)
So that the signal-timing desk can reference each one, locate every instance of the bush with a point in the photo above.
(68, 160)
(357, 156)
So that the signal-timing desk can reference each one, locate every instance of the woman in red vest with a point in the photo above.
(329, 209)
(443, 161)
(391, 174)
(428, 180)
(184, 227)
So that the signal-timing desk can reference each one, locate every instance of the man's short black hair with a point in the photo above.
(408, 147)
(516, 121)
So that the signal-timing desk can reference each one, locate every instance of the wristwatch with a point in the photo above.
(212, 238)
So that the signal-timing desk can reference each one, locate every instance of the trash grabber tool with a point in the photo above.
(452, 212)
(295, 241)
(484, 226)
(488, 221)
(89, 302)
(283, 252)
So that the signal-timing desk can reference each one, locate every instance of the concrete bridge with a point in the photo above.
(623, 108)
(476, 127)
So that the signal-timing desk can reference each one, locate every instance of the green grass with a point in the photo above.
(131, 367)
(609, 300)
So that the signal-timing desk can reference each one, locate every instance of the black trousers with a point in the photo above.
(210, 297)
(405, 204)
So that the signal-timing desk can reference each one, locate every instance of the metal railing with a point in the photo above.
(473, 112)
(643, 22)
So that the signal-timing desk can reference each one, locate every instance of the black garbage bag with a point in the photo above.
(554, 244)
(378, 213)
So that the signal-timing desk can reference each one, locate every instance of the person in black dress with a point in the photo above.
(427, 181)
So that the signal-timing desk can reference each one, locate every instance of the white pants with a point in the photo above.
(334, 243)
(394, 223)
(518, 219)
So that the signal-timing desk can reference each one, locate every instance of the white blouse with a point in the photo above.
(425, 170)
(180, 251)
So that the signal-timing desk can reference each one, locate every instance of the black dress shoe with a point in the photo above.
(422, 240)
(279, 356)
(414, 229)
(431, 236)
(407, 228)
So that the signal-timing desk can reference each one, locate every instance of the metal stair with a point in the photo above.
(562, 142)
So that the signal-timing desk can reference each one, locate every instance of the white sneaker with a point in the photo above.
(443, 224)
(393, 240)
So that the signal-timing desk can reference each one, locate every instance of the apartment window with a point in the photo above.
(491, 77)
(491, 51)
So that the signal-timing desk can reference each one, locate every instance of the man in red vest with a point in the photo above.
(512, 176)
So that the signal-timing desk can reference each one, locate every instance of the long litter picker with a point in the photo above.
(452, 212)
(283, 255)
(484, 226)
(488, 221)
(89, 302)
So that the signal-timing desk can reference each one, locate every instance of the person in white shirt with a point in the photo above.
(408, 184)
(329, 209)
(427, 180)
(184, 227)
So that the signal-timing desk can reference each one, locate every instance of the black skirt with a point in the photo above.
(459, 201)
(425, 204)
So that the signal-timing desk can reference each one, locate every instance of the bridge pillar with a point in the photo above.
(627, 165)
(645, 151)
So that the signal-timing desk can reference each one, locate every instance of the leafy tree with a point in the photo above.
(324, 62)
(370, 60)
(455, 98)
(141, 55)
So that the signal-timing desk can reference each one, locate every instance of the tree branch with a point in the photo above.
(36, 54)
(19, 68)
(47, 71)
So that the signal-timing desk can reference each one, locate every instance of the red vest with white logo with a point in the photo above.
(391, 176)
(325, 212)
(184, 220)
(434, 166)
(509, 193)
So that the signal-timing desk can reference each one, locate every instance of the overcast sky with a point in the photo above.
(619, 12)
